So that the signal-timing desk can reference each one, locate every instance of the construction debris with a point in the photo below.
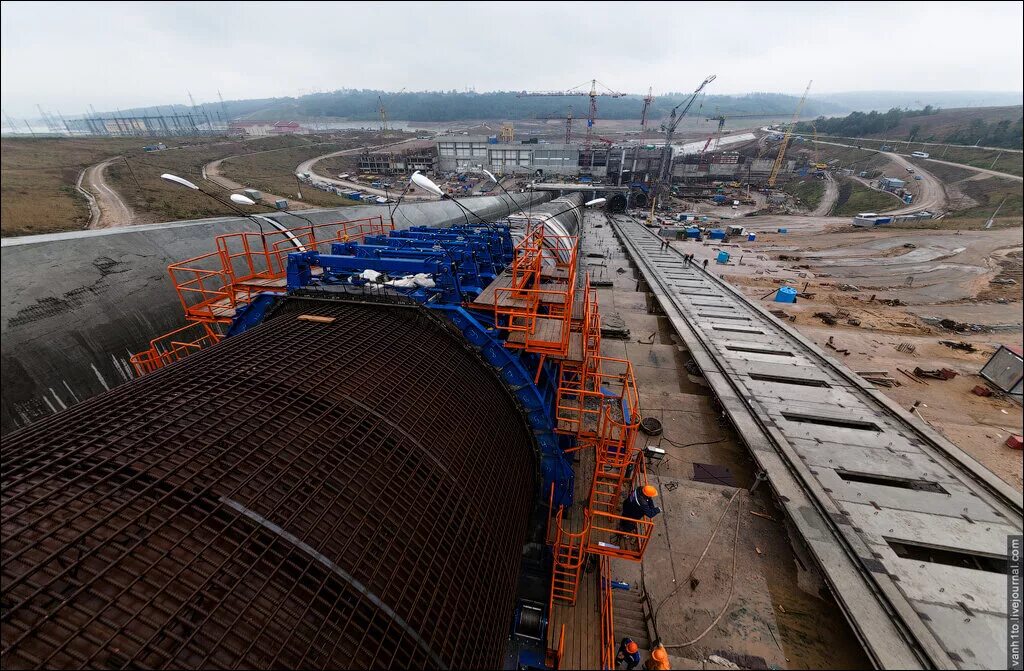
(981, 390)
(614, 326)
(912, 376)
(964, 346)
(832, 345)
(848, 287)
(879, 378)
(316, 318)
(826, 317)
(1015, 442)
(906, 348)
(892, 302)
(936, 373)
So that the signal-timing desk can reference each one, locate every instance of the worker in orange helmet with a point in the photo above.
(638, 505)
(658, 660)
(629, 652)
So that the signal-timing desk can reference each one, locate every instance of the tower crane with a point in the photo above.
(721, 125)
(383, 114)
(777, 166)
(665, 168)
(593, 94)
(648, 99)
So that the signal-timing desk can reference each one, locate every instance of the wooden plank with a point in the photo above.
(316, 318)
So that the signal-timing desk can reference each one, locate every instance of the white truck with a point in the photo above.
(919, 154)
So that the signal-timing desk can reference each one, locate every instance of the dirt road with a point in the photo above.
(211, 173)
(984, 171)
(112, 210)
(828, 200)
(308, 166)
(933, 195)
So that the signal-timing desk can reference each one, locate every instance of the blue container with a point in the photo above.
(785, 295)
(723, 257)
(718, 199)
(717, 234)
(783, 230)
(751, 237)
(693, 232)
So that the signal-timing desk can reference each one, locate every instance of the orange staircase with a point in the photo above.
(569, 555)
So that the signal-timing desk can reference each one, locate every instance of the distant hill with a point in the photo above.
(362, 105)
(866, 101)
(985, 126)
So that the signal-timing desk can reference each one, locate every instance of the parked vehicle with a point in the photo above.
(919, 154)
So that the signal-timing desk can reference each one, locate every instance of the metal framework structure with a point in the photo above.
(593, 94)
(309, 494)
(781, 157)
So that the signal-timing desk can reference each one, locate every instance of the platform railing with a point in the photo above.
(608, 647)
(174, 346)
(611, 533)
(204, 288)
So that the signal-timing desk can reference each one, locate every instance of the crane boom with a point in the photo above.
(665, 167)
(777, 166)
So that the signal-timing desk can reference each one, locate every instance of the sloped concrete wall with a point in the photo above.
(76, 306)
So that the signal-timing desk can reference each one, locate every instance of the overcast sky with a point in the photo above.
(66, 56)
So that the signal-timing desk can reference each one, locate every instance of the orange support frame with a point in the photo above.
(569, 554)
(614, 535)
(212, 286)
(608, 647)
(536, 307)
(173, 346)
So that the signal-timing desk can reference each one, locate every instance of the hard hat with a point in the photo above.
(659, 654)
(632, 647)
(649, 490)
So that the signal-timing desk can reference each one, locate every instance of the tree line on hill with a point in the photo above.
(1004, 133)
(363, 105)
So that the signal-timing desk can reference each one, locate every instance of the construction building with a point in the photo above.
(397, 163)
(140, 125)
(616, 164)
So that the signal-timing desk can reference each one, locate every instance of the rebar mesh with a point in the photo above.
(345, 495)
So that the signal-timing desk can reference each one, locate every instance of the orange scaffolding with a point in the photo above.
(175, 345)
(211, 287)
(608, 647)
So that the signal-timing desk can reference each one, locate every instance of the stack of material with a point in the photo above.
(879, 378)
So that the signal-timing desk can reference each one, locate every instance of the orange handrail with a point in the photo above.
(173, 346)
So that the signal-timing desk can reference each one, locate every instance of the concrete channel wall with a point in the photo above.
(75, 306)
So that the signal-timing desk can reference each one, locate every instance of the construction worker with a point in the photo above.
(705, 264)
(658, 660)
(629, 652)
(638, 505)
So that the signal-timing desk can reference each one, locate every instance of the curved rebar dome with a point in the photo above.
(351, 494)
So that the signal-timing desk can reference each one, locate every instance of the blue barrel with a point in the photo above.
(723, 257)
(783, 230)
(785, 295)
(751, 237)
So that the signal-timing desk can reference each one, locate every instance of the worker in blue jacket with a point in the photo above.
(638, 505)
(629, 653)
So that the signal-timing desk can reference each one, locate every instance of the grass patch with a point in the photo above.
(855, 198)
(951, 224)
(153, 200)
(989, 193)
(37, 180)
(1001, 161)
(274, 172)
(808, 191)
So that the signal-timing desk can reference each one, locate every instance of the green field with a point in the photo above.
(1001, 161)
(152, 199)
(854, 198)
(37, 181)
(809, 191)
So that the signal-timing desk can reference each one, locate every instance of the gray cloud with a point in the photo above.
(66, 56)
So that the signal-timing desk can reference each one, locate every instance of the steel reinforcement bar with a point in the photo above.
(909, 532)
